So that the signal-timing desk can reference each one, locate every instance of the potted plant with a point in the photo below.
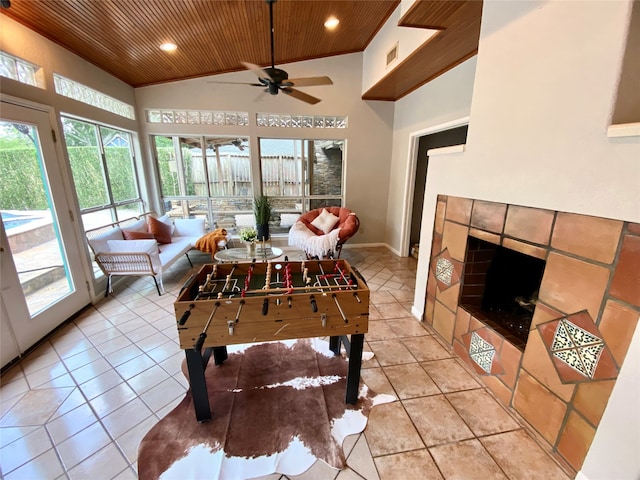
(262, 212)
(249, 236)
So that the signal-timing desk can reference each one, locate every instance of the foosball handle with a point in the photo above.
(185, 315)
(314, 305)
(265, 307)
(200, 342)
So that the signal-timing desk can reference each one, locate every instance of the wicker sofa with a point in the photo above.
(145, 245)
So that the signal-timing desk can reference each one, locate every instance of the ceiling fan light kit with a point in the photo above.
(276, 80)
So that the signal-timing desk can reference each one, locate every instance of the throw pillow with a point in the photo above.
(160, 230)
(189, 227)
(325, 221)
(137, 226)
(134, 235)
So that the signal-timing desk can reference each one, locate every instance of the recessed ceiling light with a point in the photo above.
(331, 23)
(168, 47)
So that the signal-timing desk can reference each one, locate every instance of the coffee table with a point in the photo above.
(241, 254)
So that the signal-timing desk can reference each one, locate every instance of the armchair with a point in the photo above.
(322, 232)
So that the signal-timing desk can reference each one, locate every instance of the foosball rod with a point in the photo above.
(203, 335)
(335, 299)
(302, 289)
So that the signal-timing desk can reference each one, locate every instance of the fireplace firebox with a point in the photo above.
(500, 286)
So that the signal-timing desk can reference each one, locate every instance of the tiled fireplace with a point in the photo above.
(559, 376)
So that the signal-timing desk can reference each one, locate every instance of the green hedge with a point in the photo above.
(21, 187)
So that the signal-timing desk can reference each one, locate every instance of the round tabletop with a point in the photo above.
(242, 255)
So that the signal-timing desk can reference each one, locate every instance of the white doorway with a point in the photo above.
(414, 187)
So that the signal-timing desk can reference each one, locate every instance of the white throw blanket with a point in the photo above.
(313, 245)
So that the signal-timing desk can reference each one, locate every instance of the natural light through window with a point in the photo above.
(198, 117)
(77, 91)
(300, 121)
(17, 69)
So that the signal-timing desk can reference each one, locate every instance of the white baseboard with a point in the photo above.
(581, 476)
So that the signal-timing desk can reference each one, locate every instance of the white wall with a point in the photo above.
(443, 100)
(408, 39)
(544, 89)
(368, 134)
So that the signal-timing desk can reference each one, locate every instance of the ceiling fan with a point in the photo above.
(276, 80)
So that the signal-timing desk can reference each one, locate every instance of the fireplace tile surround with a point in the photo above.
(587, 310)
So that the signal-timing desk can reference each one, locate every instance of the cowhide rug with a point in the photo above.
(277, 408)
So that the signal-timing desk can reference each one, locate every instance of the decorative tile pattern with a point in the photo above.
(444, 269)
(577, 348)
(481, 352)
(447, 270)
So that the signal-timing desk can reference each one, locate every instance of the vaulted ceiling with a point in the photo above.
(214, 36)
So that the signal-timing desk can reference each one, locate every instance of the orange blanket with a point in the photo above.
(209, 242)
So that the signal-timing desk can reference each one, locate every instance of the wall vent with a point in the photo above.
(392, 54)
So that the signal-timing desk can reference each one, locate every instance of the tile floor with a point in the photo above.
(78, 406)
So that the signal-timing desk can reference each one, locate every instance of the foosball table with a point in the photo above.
(239, 303)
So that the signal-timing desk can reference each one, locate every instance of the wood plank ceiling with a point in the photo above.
(214, 36)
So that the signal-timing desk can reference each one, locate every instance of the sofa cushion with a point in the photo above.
(160, 230)
(138, 246)
(137, 226)
(189, 227)
(325, 221)
(99, 242)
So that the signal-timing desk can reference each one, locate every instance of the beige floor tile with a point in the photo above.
(391, 352)
(391, 310)
(410, 381)
(436, 420)
(425, 348)
(109, 461)
(129, 441)
(379, 330)
(416, 464)
(126, 417)
(361, 461)
(35, 407)
(71, 423)
(449, 375)
(101, 384)
(24, 449)
(82, 445)
(521, 457)
(375, 379)
(390, 430)
(46, 465)
(482, 412)
(467, 460)
(407, 327)
(112, 399)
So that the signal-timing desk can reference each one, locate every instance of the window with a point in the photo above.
(300, 175)
(206, 177)
(196, 117)
(17, 69)
(104, 172)
(81, 93)
(300, 121)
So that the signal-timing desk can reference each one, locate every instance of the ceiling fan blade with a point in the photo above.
(257, 70)
(300, 95)
(238, 83)
(308, 81)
